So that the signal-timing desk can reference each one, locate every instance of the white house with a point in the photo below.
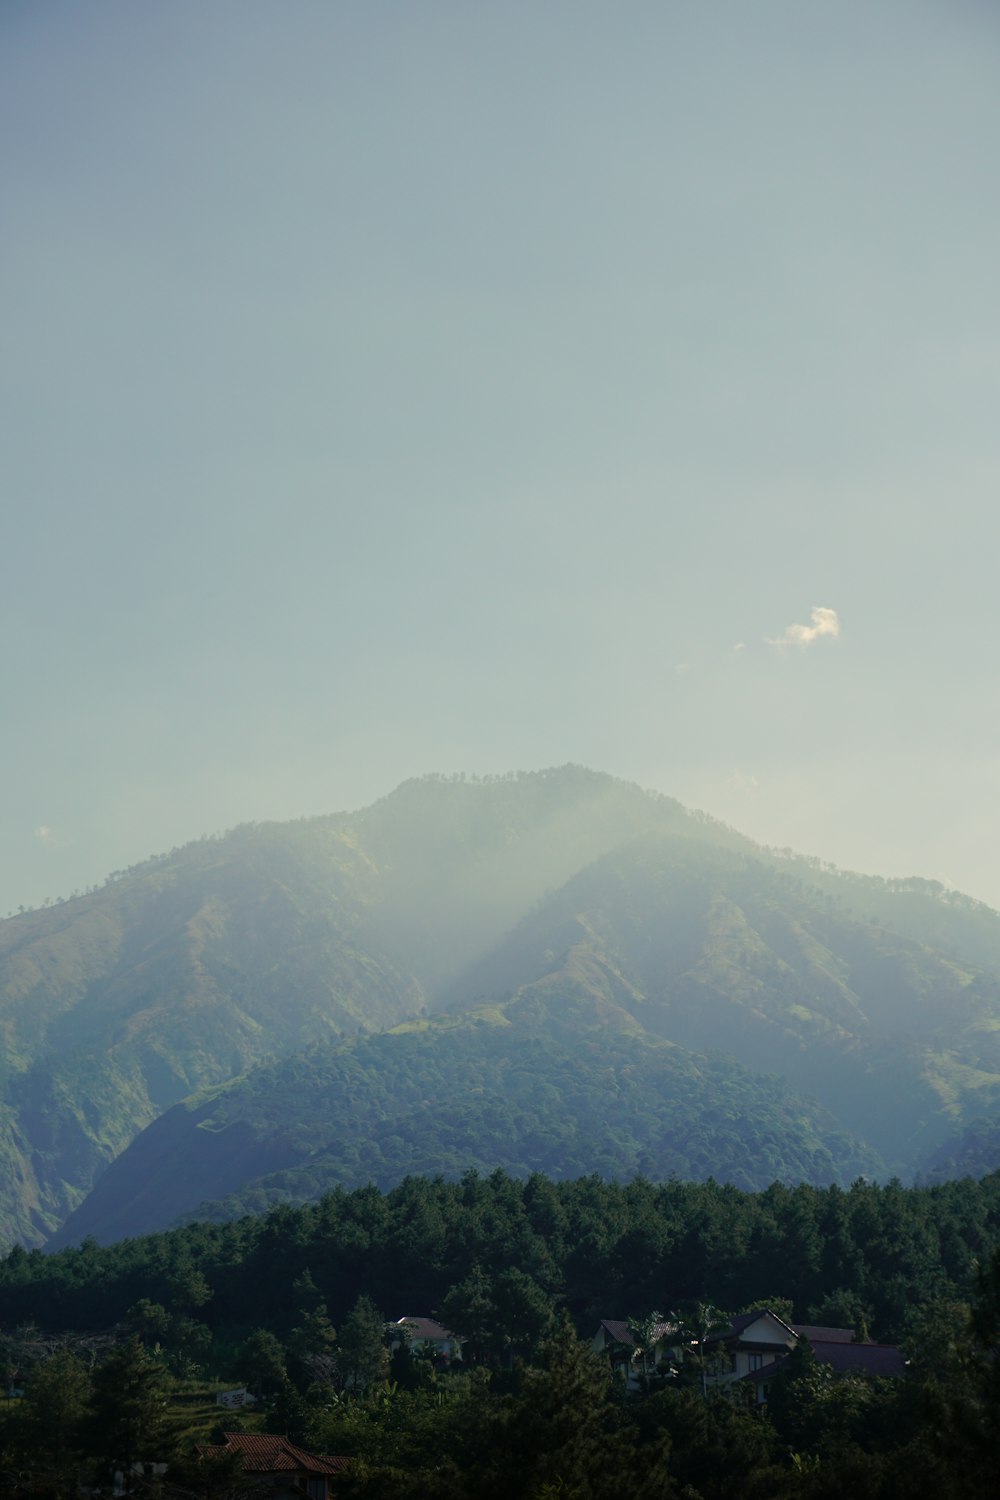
(427, 1333)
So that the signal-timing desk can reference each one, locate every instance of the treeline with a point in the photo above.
(594, 1248)
(295, 1305)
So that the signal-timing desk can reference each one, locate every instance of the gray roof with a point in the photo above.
(845, 1359)
(425, 1328)
(813, 1332)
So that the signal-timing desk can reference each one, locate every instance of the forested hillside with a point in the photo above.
(600, 1249)
(625, 982)
(563, 1085)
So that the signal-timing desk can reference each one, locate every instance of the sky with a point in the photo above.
(404, 387)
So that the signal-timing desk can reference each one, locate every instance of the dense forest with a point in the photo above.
(294, 1304)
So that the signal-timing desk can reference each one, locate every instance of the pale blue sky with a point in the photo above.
(434, 386)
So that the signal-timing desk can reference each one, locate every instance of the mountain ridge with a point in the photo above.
(200, 965)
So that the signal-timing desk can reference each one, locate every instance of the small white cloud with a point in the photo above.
(742, 781)
(740, 646)
(682, 666)
(44, 834)
(824, 622)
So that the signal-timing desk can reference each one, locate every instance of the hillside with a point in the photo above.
(564, 1084)
(188, 969)
(586, 1050)
(477, 898)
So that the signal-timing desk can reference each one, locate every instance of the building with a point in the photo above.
(280, 1469)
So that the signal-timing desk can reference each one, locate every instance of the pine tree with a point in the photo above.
(50, 1423)
(364, 1358)
(126, 1423)
(566, 1433)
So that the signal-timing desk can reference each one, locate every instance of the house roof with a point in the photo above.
(619, 1330)
(269, 1452)
(742, 1322)
(870, 1359)
(861, 1359)
(424, 1328)
(813, 1332)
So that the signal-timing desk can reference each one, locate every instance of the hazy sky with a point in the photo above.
(396, 387)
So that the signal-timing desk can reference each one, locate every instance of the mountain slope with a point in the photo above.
(896, 1039)
(191, 969)
(187, 970)
(570, 1062)
(561, 1083)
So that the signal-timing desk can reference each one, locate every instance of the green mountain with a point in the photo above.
(529, 931)
(559, 1079)
(188, 969)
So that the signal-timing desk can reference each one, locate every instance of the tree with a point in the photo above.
(469, 1310)
(522, 1311)
(968, 1402)
(126, 1421)
(645, 1336)
(50, 1422)
(364, 1358)
(566, 1434)
(697, 1327)
(188, 1291)
(312, 1347)
(262, 1363)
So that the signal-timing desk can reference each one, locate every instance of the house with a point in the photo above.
(426, 1334)
(279, 1468)
(615, 1340)
(884, 1361)
(758, 1343)
(751, 1341)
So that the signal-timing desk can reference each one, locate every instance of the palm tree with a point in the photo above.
(702, 1320)
(646, 1333)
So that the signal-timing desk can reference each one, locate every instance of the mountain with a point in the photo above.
(304, 983)
(186, 970)
(555, 1080)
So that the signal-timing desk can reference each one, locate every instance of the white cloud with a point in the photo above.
(742, 781)
(740, 646)
(682, 666)
(44, 834)
(824, 622)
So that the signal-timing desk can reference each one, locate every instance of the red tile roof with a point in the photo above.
(268, 1452)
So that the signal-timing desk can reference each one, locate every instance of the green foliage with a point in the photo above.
(603, 1248)
(261, 1363)
(362, 1354)
(126, 1421)
(555, 904)
(565, 1433)
(509, 1256)
(532, 1085)
(48, 1426)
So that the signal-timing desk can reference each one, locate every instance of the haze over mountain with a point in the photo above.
(391, 388)
(550, 970)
